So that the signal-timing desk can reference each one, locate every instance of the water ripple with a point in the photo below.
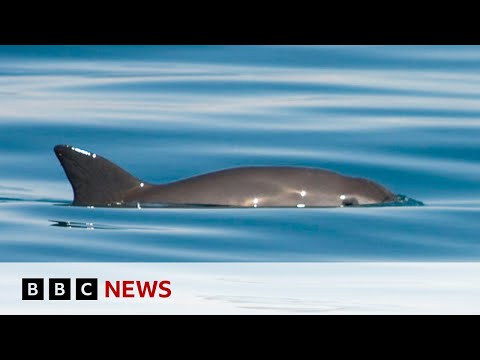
(405, 116)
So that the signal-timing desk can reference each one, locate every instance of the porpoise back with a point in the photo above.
(98, 182)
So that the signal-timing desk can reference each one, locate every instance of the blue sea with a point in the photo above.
(407, 117)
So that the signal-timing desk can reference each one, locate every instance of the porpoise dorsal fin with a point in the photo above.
(95, 180)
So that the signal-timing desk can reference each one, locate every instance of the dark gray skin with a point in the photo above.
(98, 182)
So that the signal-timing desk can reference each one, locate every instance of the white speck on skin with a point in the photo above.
(300, 205)
(303, 193)
(142, 184)
(255, 205)
(342, 197)
(94, 156)
(255, 201)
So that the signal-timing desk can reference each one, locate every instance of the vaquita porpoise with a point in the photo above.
(98, 182)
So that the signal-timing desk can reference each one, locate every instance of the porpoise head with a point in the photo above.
(360, 191)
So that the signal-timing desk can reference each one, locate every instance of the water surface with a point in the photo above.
(405, 116)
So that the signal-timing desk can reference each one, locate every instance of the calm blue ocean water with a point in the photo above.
(405, 116)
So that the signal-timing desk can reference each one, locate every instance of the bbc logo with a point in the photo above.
(59, 289)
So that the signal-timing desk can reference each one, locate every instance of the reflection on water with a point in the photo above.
(405, 117)
(80, 225)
